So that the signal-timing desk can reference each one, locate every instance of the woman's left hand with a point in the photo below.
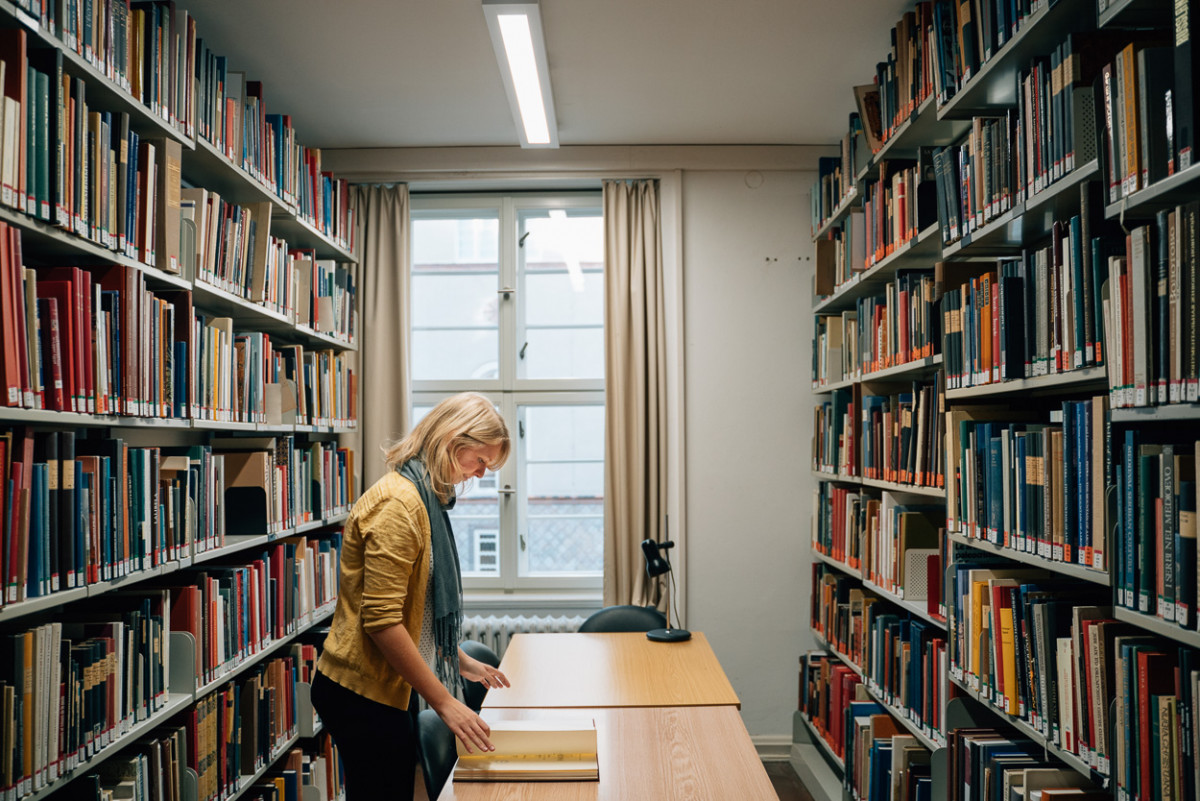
(474, 670)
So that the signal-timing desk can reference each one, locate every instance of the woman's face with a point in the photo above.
(474, 461)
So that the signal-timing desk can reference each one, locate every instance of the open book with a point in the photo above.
(534, 751)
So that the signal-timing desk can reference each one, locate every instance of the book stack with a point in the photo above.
(1149, 312)
(840, 523)
(835, 345)
(897, 205)
(902, 437)
(900, 325)
(1155, 560)
(71, 688)
(841, 253)
(905, 666)
(827, 687)
(982, 762)
(301, 769)
(829, 191)
(151, 768)
(1029, 486)
(835, 444)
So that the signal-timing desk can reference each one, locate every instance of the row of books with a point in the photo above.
(1029, 485)
(1007, 158)
(152, 770)
(975, 181)
(78, 511)
(1040, 314)
(247, 378)
(1150, 305)
(897, 327)
(318, 768)
(835, 356)
(152, 52)
(834, 444)
(841, 254)
(988, 764)
(241, 727)
(82, 168)
(98, 341)
(902, 437)
(1038, 648)
(235, 610)
(829, 191)
(236, 252)
(1041, 650)
(897, 206)
(1155, 568)
(71, 687)
(966, 35)
(233, 118)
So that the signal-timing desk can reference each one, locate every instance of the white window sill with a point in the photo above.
(549, 602)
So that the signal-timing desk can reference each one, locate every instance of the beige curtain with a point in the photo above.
(635, 458)
(383, 323)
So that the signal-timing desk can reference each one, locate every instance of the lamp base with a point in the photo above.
(668, 635)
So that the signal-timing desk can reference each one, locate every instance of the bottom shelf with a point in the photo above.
(810, 760)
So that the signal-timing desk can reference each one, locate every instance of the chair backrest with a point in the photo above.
(624, 618)
(435, 743)
(473, 691)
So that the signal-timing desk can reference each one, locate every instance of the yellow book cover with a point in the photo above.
(1008, 658)
(534, 750)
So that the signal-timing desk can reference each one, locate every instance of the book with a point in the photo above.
(533, 750)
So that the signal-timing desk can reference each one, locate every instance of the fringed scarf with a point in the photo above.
(446, 582)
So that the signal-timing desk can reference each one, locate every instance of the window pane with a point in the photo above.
(564, 489)
(455, 275)
(475, 519)
(562, 262)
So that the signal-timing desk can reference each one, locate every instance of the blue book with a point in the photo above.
(1127, 518)
(1185, 555)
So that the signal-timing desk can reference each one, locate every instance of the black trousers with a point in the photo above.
(376, 742)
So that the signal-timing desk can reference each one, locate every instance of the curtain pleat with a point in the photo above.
(635, 459)
(383, 378)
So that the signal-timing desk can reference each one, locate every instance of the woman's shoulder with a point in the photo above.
(392, 490)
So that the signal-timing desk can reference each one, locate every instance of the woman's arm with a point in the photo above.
(397, 646)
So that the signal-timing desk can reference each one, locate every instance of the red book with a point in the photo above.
(1155, 676)
(61, 293)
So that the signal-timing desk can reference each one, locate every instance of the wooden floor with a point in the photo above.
(783, 778)
(785, 781)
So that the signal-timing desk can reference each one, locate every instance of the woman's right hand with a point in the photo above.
(467, 726)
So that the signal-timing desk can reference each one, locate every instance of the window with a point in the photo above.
(508, 300)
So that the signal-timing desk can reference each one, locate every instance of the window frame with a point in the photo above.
(509, 392)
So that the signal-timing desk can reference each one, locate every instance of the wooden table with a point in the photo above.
(675, 752)
(610, 670)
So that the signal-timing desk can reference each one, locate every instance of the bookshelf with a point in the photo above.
(1112, 476)
(283, 357)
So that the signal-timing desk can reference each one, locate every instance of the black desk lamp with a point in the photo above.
(656, 565)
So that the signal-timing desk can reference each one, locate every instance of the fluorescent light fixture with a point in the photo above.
(516, 31)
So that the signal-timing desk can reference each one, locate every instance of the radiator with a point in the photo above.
(495, 631)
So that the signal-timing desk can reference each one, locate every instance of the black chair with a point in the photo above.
(624, 618)
(473, 691)
(435, 744)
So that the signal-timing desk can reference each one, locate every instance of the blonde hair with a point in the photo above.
(466, 420)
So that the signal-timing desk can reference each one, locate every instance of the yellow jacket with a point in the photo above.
(384, 574)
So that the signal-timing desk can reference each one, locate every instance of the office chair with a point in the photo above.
(473, 691)
(624, 618)
(435, 743)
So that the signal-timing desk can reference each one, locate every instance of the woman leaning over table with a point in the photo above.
(399, 609)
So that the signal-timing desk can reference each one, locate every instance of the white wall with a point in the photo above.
(748, 328)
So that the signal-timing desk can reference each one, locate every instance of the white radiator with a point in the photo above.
(494, 631)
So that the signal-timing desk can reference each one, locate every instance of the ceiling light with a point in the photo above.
(516, 31)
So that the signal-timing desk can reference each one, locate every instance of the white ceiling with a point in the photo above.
(422, 73)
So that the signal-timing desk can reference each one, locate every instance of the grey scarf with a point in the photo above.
(446, 581)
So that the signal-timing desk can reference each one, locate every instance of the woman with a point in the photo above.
(399, 609)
